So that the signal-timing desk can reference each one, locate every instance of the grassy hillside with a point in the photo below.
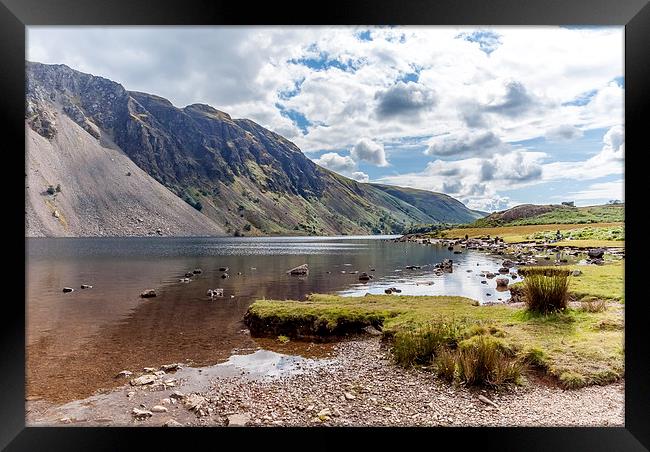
(529, 214)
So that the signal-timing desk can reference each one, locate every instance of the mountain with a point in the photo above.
(554, 214)
(239, 177)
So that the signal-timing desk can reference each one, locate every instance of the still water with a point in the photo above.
(77, 342)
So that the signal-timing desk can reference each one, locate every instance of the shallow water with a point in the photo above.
(77, 342)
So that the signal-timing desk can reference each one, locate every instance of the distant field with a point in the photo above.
(514, 234)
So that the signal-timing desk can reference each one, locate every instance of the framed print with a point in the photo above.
(372, 220)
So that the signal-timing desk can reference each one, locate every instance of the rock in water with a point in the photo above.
(68, 289)
(299, 270)
(86, 286)
(502, 282)
(364, 277)
(197, 271)
(149, 293)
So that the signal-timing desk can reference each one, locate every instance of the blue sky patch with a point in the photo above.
(299, 119)
(323, 62)
(288, 94)
(582, 99)
(364, 35)
(487, 40)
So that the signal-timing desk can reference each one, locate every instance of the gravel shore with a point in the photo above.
(358, 387)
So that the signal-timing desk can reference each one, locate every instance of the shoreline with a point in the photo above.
(359, 386)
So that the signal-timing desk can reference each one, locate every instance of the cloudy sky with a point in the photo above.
(494, 116)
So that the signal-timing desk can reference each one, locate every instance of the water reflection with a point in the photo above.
(78, 341)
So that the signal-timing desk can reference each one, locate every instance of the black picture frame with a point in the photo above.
(15, 15)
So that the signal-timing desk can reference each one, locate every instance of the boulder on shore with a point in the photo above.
(502, 282)
(149, 293)
(596, 253)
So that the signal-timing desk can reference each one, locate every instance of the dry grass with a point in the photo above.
(514, 234)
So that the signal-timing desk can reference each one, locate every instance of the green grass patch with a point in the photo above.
(588, 344)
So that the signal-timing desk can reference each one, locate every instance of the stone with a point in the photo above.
(141, 414)
(158, 409)
(596, 253)
(195, 402)
(68, 289)
(86, 286)
(143, 380)
(487, 401)
(364, 277)
(197, 271)
(224, 269)
(324, 412)
(172, 423)
(177, 395)
(225, 275)
(502, 282)
(149, 293)
(576, 273)
(299, 270)
(504, 270)
(124, 374)
(372, 330)
(168, 367)
(349, 396)
(238, 420)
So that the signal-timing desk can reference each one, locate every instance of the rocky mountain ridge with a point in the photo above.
(245, 179)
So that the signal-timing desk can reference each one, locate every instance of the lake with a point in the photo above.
(77, 342)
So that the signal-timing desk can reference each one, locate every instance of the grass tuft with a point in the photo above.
(546, 294)
(482, 360)
(418, 345)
